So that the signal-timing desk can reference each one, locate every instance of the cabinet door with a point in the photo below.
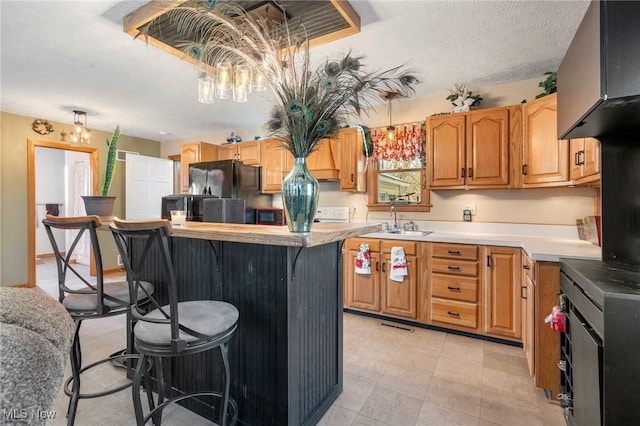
(274, 161)
(591, 157)
(227, 152)
(528, 311)
(399, 298)
(364, 289)
(502, 292)
(446, 149)
(351, 143)
(545, 158)
(487, 153)
(576, 147)
(249, 152)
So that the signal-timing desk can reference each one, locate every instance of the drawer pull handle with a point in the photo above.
(453, 268)
(453, 288)
(453, 314)
(525, 267)
(377, 266)
(453, 252)
(523, 295)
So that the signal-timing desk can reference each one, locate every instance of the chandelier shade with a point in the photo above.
(81, 133)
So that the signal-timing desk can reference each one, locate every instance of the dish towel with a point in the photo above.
(398, 264)
(363, 260)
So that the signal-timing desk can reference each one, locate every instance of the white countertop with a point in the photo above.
(546, 248)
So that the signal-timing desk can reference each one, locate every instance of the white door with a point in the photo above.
(148, 179)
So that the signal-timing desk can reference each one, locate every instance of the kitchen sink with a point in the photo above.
(415, 233)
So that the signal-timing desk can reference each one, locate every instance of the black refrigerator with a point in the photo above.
(229, 179)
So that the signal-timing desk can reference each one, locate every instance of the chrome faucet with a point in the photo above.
(393, 212)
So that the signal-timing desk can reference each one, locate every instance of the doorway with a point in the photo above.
(34, 210)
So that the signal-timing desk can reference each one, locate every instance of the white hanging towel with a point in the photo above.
(363, 260)
(398, 264)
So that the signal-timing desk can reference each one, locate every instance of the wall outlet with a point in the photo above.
(120, 262)
(471, 208)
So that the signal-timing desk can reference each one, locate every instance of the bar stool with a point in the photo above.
(174, 328)
(85, 299)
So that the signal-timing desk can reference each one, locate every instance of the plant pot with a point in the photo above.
(99, 206)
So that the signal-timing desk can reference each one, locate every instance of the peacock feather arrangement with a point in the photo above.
(311, 102)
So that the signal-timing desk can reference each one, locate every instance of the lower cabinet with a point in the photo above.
(528, 306)
(375, 292)
(503, 274)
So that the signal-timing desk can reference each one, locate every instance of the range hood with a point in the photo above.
(599, 77)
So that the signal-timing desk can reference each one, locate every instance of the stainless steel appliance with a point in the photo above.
(269, 216)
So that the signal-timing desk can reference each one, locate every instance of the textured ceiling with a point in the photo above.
(58, 56)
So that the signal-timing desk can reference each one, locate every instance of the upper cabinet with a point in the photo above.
(276, 162)
(194, 153)
(469, 150)
(324, 162)
(247, 152)
(352, 160)
(545, 159)
(585, 160)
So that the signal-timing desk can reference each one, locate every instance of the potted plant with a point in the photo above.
(310, 103)
(102, 204)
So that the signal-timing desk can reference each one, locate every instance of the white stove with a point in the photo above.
(332, 214)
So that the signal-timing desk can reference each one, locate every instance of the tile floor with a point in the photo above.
(391, 377)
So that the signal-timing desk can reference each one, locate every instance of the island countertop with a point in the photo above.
(321, 233)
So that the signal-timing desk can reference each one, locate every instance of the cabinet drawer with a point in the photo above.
(452, 312)
(454, 267)
(354, 244)
(408, 246)
(455, 251)
(457, 288)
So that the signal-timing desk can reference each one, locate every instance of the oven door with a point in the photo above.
(587, 372)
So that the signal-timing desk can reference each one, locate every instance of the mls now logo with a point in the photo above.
(23, 414)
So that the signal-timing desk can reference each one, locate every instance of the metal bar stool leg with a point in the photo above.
(224, 351)
(135, 390)
(76, 365)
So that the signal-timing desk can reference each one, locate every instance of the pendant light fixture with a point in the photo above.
(205, 88)
(390, 96)
(81, 134)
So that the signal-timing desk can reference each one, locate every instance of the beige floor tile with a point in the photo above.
(427, 341)
(509, 385)
(506, 362)
(391, 407)
(408, 382)
(363, 368)
(355, 393)
(415, 359)
(361, 420)
(504, 410)
(436, 415)
(463, 372)
(462, 348)
(455, 396)
(338, 416)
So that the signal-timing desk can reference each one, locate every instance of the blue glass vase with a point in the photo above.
(300, 197)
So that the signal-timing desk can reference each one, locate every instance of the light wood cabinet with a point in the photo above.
(352, 160)
(399, 298)
(527, 296)
(469, 150)
(375, 292)
(503, 275)
(547, 341)
(276, 162)
(585, 160)
(247, 152)
(194, 152)
(545, 159)
(455, 286)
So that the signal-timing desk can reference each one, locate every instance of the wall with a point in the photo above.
(553, 206)
(14, 132)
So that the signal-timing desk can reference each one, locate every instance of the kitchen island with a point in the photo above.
(286, 356)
